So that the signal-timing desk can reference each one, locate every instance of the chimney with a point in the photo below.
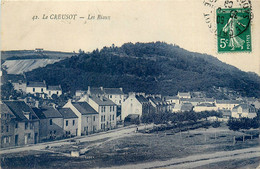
(121, 88)
(102, 88)
(88, 92)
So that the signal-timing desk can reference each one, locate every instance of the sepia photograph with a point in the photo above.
(130, 84)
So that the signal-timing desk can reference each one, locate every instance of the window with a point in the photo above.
(57, 93)
(110, 118)
(119, 101)
(41, 89)
(29, 135)
(104, 108)
(33, 89)
(110, 96)
(94, 118)
(54, 132)
(50, 132)
(114, 107)
(104, 118)
(73, 122)
(110, 108)
(2, 129)
(101, 118)
(113, 117)
(50, 121)
(7, 128)
(67, 122)
(26, 125)
(16, 125)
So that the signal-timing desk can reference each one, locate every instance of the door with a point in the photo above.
(35, 138)
(16, 140)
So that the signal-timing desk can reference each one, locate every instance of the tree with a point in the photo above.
(8, 92)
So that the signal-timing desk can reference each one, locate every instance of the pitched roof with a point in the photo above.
(245, 107)
(209, 100)
(47, 112)
(183, 93)
(155, 100)
(96, 91)
(206, 105)
(84, 108)
(19, 108)
(117, 91)
(36, 84)
(5, 109)
(141, 99)
(67, 113)
(171, 98)
(102, 101)
(54, 88)
(228, 101)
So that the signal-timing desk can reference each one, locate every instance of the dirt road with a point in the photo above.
(121, 132)
(197, 160)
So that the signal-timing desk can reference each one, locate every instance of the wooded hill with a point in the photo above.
(147, 67)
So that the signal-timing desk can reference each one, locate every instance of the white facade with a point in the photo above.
(107, 113)
(34, 90)
(70, 126)
(131, 106)
(243, 110)
(200, 108)
(51, 92)
(86, 122)
(116, 98)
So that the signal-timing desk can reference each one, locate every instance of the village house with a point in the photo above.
(135, 104)
(205, 107)
(80, 93)
(88, 117)
(51, 90)
(7, 123)
(116, 95)
(22, 123)
(226, 104)
(51, 122)
(183, 107)
(107, 111)
(172, 100)
(37, 88)
(18, 82)
(95, 91)
(70, 122)
(184, 95)
(157, 104)
(244, 110)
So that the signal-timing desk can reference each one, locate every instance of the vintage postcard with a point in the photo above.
(130, 84)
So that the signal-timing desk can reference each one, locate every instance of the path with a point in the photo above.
(197, 160)
(111, 133)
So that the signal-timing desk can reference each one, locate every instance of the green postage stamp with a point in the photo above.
(233, 30)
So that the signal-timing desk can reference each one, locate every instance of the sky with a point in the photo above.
(179, 22)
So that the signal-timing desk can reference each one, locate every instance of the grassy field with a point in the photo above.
(135, 148)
